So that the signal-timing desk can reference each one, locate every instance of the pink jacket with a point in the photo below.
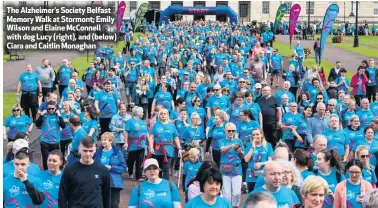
(354, 83)
(340, 193)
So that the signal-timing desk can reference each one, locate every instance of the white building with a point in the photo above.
(266, 10)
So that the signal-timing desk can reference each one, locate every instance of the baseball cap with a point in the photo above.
(20, 143)
(150, 162)
(258, 85)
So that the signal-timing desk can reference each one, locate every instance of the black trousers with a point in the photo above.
(294, 91)
(89, 88)
(104, 124)
(251, 186)
(165, 166)
(370, 93)
(64, 146)
(45, 90)
(270, 132)
(358, 99)
(46, 148)
(244, 169)
(149, 107)
(61, 89)
(115, 197)
(128, 46)
(136, 157)
(29, 102)
(290, 144)
(216, 157)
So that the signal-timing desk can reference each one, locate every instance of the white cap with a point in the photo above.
(150, 162)
(20, 143)
(258, 85)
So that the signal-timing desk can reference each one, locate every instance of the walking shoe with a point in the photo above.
(244, 189)
(175, 173)
(141, 180)
(131, 176)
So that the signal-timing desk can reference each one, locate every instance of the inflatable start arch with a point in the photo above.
(224, 10)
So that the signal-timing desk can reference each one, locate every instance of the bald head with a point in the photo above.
(266, 91)
(320, 143)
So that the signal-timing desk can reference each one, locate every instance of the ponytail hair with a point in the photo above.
(334, 158)
(302, 158)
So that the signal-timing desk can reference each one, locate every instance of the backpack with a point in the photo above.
(169, 183)
(338, 175)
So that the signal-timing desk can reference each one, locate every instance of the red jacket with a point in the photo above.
(355, 85)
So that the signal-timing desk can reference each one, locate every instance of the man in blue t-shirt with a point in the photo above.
(273, 178)
(276, 66)
(299, 52)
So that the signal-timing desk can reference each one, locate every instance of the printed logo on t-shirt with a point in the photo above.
(284, 206)
(149, 194)
(14, 191)
(48, 184)
(96, 176)
(350, 195)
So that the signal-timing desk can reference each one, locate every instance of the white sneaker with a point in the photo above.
(131, 176)
(175, 173)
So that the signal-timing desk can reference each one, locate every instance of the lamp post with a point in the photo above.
(356, 32)
(351, 11)
(344, 12)
(309, 12)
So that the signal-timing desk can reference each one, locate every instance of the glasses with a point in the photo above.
(16, 110)
(245, 72)
(197, 101)
(50, 108)
(331, 105)
(354, 173)
(186, 74)
(248, 83)
(294, 106)
(132, 64)
(231, 131)
(357, 121)
(224, 90)
(216, 89)
(365, 156)
(319, 98)
(242, 82)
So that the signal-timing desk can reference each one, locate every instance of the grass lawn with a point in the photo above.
(284, 50)
(9, 99)
(366, 40)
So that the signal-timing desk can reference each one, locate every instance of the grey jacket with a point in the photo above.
(46, 75)
(118, 123)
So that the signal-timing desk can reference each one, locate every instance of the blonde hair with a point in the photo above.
(357, 154)
(264, 143)
(67, 103)
(223, 115)
(297, 178)
(17, 106)
(193, 152)
(109, 136)
(313, 182)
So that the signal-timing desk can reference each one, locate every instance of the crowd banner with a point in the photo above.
(329, 20)
(121, 11)
(140, 15)
(280, 13)
(294, 15)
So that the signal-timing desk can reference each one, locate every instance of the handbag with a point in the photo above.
(225, 168)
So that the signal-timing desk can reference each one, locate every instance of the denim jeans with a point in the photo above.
(317, 56)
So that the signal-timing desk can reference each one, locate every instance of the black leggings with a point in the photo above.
(61, 89)
(64, 146)
(149, 107)
(104, 124)
(370, 92)
(251, 186)
(290, 144)
(127, 46)
(294, 91)
(358, 99)
(137, 157)
(216, 157)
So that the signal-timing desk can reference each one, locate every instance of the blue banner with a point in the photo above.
(329, 20)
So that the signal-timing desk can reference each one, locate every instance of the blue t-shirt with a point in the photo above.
(372, 76)
(132, 77)
(15, 194)
(280, 93)
(50, 132)
(336, 140)
(164, 99)
(198, 202)
(120, 60)
(77, 136)
(244, 129)
(64, 75)
(223, 102)
(137, 134)
(190, 170)
(16, 125)
(299, 50)
(231, 157)
(302, 124)
(305, 173)
(107, 103)
(158, 195)
(164, 135)
(374, 108)
(8, 169)
(50, 184)
(260, 154)
(285, 197)
(366, 117)
(289, 119)
(359, 88)
(276, 62)
(105, 157)
(371, 146)
(89, 75)
(352, 192)
(66, 133)
(88, 125)
(29, 82)
(218, 134)
(255, 110)
(367, 175)
(343, 87)
(354, 136)
(191, 134)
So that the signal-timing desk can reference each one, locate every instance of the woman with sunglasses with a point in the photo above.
(155, 191)
(368, 173)
(350, 192)
(16, 123)
(319, 99)
(291, 177)
(258, 152)
(196, 108)
(232, 152)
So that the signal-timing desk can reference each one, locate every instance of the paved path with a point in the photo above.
(13, 69)
(349, 60)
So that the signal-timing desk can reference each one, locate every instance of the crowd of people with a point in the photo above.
(195, 100)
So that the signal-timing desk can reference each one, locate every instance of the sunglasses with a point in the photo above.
(231, 131)
(186, 74)
(50, 108)
(319, 98)
(132, 64)
(16, 110)
(197, 101)
(152, 168)
(242, 82)
(365, 156)
(224, 90)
